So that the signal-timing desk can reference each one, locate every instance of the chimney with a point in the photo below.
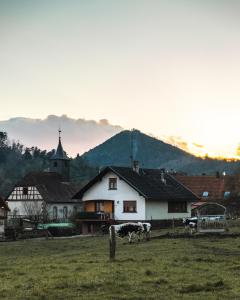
(135, 166)
(162, 176)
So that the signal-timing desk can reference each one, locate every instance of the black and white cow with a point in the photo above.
(131, 229)
(190, 224)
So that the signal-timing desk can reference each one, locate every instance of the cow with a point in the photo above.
(146, 229)
(190, 224)
(129, 229)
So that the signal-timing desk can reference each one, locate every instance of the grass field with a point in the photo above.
(203, 268)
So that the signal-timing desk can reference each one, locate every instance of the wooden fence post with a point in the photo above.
(112, 243)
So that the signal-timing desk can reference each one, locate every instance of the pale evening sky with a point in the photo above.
(165, 67)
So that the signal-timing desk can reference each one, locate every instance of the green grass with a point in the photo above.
(203, 268)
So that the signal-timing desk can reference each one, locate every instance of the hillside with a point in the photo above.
(153, 153)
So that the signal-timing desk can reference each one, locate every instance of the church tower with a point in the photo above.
(59, 162)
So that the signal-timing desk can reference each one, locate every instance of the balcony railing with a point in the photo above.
(95, 216)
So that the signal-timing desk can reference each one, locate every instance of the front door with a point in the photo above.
(99, 206)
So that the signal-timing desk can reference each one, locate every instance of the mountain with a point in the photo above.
(153, 153)
(79, 135)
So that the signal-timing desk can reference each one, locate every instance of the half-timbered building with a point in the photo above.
(46, 194)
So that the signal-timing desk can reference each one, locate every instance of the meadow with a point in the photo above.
(184, 268)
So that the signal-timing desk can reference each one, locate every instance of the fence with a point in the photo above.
(208, 224)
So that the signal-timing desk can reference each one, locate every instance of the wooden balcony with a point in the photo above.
(94, 216)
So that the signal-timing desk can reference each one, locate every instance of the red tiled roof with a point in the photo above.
(199, 184)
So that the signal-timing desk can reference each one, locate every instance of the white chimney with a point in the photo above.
(162, 176)
(135, 166)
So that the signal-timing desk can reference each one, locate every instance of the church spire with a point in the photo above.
(60, 153)
(59, 162)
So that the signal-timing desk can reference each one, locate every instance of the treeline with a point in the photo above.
(16, 160)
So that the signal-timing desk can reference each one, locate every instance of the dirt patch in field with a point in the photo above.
(212, 236)
(219, 251)
(207, 287)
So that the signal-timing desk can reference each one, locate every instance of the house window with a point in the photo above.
(75, 210)
(205, 194)
(177, 207)
(99, 206)
(112, 184)
(65, 212)
(55, 164)
(130, 206)
(25, 190)
(55, 212)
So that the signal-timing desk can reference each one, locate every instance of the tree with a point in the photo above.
(33, 209)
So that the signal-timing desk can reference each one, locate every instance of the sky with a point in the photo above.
(170, 68)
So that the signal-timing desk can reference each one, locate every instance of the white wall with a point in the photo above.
(20, 207)
(1, 227)
(23, 207)
(100, 191)
(33, 201)
(22, 204)
(158, 210)
(60, 206)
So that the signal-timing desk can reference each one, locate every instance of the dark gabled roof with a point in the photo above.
(3, 204)
(50, 185)
(148, 183)
(60, 153)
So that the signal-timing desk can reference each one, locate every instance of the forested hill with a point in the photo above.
(153, 153)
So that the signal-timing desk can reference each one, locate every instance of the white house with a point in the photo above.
(134, 194)
(46, 193)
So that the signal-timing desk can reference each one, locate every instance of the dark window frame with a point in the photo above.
(177, 207)
(126, 206)
(55, 212)
(65, 212)
(112, 183)
(98, 206)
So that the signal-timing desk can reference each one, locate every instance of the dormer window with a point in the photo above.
(25, 190)
(112, 184)
(226, 195)
(205, 194)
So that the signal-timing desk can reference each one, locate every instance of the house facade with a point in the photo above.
(4, 209)
(46, 194)
(126, 194)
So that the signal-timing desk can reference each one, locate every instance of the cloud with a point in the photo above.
(198, 145)
(177, 141)
(78, 135)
